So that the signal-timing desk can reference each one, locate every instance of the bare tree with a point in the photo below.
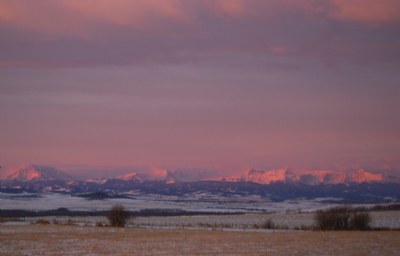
(268, 224)
(342, 218)
(118, 216)
(360, 221)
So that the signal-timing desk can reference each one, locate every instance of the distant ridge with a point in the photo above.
(32, 172)
(27, 173)
(310, 177)
(273, 185)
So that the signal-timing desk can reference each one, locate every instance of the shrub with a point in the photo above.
(333, 219)
(341, 218)
(360, 221)
(42, 222)
(268, 224)
(118, 216)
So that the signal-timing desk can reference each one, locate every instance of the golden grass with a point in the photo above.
(75, 240)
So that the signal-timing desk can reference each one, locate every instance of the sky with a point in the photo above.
(200, 84)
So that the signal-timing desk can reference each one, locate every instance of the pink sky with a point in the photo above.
(222, 84)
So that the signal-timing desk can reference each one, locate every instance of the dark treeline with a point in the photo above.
(390, 207)
(378, 207)
(141, 213)
(151, 212)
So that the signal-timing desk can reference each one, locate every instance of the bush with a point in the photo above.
(268, 224)
(341, 218)
(360, 221)
(333, 219)
(42, 222)
(118, 216)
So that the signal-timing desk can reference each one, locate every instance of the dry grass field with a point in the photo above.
(78, 240)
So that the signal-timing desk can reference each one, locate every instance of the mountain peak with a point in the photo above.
(133, 176)
(261, 177)
(35, 173)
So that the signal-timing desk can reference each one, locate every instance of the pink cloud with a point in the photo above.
(369, 12)
(262, 10)
(77, 18)
(158, 173)
(135, 13)
(81, 18)
(44, 16)
(366, 12)
(232, 7)
(63, 32)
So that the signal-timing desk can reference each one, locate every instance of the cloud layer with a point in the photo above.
(70, 33)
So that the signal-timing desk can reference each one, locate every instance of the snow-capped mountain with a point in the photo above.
(278, 185)
(96, 180)
(363, 176)
(310, 177)
(133, 176)
(260, 177)
(159, 174)
(27, 173)
(34, 173)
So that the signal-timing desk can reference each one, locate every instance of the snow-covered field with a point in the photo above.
(77, 240)
(51, 201)
(237, 222)
(286, 215)
(227, 234)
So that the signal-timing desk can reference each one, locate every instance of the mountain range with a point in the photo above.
(276, 185)
(309, 177)
(26, 173)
